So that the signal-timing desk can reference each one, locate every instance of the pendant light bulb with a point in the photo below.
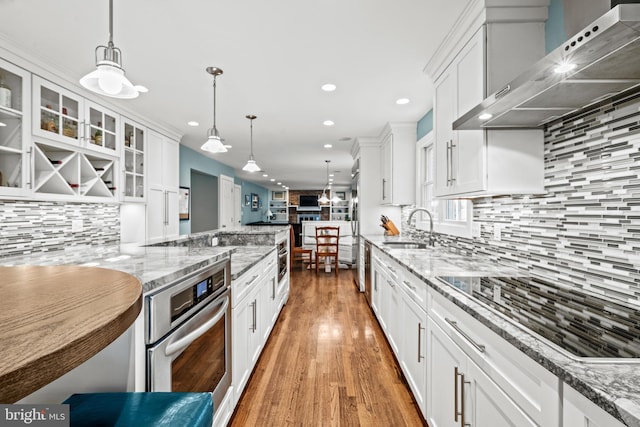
(251, 165)
(214, 144)
(108, 78)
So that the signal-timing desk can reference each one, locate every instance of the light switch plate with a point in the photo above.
(76, 226)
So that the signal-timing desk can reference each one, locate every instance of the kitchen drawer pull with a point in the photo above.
(253, 279)
(455, 394)
(481, 348)
(409, 285)
(391, 283)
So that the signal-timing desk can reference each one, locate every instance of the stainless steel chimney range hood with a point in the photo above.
(606, 58)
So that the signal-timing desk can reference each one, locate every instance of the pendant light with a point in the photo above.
(214, 144)
(324, 198)
(251, 165)
(108, 79)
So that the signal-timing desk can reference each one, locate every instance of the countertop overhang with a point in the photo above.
(53, 318)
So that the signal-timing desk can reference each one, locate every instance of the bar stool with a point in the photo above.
(148, 409)
(327, 239)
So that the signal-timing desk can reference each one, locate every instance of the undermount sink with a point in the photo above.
(406, 245)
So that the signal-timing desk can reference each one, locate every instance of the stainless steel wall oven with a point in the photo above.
(189, 334)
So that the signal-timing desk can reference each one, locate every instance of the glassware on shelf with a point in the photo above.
(5, 94)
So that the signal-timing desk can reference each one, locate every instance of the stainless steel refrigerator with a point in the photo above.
(354, 215)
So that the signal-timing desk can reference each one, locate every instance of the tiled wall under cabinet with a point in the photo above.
(585, 231)
(36, 226)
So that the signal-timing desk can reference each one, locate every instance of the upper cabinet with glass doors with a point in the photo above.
(133, 152)
(63, 116)
(14, 129)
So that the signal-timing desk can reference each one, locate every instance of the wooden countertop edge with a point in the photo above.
(24, 380)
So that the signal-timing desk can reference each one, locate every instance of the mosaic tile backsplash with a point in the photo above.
(585, 231)
(35, 226)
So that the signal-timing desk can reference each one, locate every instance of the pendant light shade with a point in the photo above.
(251, 165)
(214, 144)
(324, 198)
(108, 79)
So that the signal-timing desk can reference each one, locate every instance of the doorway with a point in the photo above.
(204, 202)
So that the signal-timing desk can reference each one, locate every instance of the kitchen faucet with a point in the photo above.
(431, 238)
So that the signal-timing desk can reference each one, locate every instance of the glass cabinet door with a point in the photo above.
(133, 161)
(101, 125)
(57, 112)
(14, 102)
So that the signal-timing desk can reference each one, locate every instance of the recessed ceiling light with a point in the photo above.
(485, 116)
(402, 101)
(328, 123)
(328, 87)
(330, 174)
(272, 180)
(227, 146)
(142, 89)
(564, 68)
(192, 123)
(2, 124)
(328, 145)
(265, 175)
(279, 183)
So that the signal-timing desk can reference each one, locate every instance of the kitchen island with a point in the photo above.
(152, 268)
(613, 384)
(54, 318)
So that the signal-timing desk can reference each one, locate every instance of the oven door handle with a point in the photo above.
(184, 342)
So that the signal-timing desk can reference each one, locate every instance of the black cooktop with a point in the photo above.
(583, 324)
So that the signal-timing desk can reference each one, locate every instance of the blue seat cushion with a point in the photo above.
(141, 409)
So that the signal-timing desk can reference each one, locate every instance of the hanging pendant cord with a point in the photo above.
(215, 130)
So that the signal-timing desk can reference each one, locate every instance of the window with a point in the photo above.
(449, 216)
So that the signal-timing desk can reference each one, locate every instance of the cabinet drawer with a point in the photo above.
(245, 283)
(534, 389)
(415, 288)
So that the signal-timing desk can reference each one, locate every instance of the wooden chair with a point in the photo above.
(327, 245)
(298, 252)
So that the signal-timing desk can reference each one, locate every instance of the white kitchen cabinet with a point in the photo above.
(460, 393)
(504, 386)
(133, 161)
(15, 85)
(413, 353)
(64, 116)
(376, 284)
(577, 410)
(475, 163)
(162, 187)
(256, 302)
(397, 184)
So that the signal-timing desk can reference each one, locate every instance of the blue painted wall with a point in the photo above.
(190, 159)
(425, 124)
(554, 32)
(261, 214)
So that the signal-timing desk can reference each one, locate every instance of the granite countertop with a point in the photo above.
(154, 266)
(612, 384)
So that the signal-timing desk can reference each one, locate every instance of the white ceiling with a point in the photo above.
(275, 56)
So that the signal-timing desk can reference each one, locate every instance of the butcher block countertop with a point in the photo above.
(53, 318)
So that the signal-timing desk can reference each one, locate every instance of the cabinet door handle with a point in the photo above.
(273, 289)
(166, 208)
(448, 163)
(481, 348)
(420, 329)
(31, 168)
(254, 326)
(455, 394)
(384, 181)
(453, 174)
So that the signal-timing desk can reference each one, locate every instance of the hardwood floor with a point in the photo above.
(326, 363)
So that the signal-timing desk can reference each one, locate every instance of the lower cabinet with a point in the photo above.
(577, 410)
(414, 349)
(460, 393)
(255, 308)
